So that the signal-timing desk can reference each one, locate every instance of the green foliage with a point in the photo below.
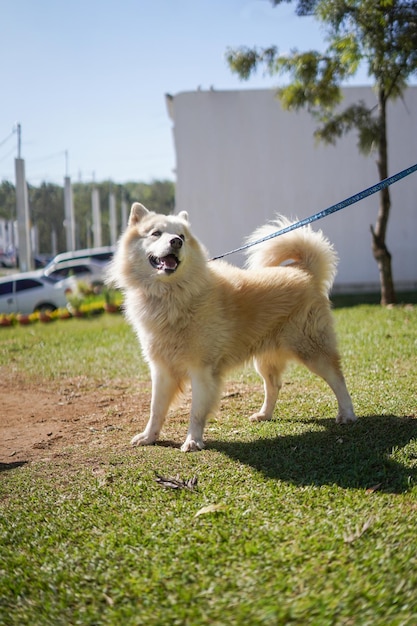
(315, 83)
(244, 61)
(47, 213)
(334, 126)
(303, 7)
(384, 33)
(380, 33)
(7, 200)
(158, 196)
(46, 204)
(296, 521)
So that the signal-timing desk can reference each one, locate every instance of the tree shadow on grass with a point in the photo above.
(353, 456)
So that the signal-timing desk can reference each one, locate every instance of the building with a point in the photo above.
(241, 158)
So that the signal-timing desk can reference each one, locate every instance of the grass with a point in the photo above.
(98, 348)
(311, 523)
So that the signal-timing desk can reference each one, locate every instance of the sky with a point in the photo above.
(86, 79)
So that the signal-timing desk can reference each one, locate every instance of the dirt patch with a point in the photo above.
(48, 420)
(39, 418)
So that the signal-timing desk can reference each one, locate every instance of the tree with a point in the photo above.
(159, 195)
(380, 33)
(7, 200)
(47, 214)
(47, 207)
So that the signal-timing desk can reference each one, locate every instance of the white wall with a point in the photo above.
(241, 158)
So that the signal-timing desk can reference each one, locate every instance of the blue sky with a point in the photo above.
(89, 77)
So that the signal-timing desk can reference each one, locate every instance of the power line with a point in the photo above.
(49, 157)
(7, 138)
(6, 156)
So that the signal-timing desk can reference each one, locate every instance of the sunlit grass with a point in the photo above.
(315, 524)
(102, 347)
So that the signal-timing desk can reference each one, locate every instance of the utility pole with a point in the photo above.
(69, 208)
(96, 214)
(19, 139)
(22, 209)
(112, 217)
(124, 212)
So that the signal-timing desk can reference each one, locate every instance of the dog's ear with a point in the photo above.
(137, 213)
(183, 215)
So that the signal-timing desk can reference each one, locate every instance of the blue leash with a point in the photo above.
(332, 209)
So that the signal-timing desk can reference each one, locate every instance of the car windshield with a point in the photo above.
(102, 255)
(50, 279)
(61, 272)
(55, 275)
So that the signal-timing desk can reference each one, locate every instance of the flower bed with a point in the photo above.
(89, 306)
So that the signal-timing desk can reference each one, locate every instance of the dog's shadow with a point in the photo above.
(355, 456)
(4, 467)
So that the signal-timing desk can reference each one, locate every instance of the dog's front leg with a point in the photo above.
(205, 387)
(164, 388)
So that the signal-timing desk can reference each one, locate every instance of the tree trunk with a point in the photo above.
(380, 251)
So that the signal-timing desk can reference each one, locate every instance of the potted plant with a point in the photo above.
(75, 300)
(23, 319)
(110, 304)
(5, 320)
(45, 317)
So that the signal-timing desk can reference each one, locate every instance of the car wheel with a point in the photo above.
(44, 307)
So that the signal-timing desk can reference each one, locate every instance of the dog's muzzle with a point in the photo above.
(170, 262)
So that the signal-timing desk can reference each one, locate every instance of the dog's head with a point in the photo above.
(155, 250)
(162, 237)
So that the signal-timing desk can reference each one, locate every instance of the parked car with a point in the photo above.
(41, 260)
(7, 260)
(44, 289)
(29, 292)
(101, 255)
(83, 269)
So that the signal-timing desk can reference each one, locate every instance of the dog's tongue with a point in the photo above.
(170, 262)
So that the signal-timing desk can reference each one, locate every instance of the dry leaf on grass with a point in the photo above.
(176, 483)
(210, 508)
(357, 534)
(374, 488)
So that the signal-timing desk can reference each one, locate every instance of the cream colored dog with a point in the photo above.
(197, 319)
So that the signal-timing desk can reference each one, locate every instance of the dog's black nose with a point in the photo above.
(176, 243)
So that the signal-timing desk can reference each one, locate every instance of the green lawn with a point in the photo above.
(306, 522)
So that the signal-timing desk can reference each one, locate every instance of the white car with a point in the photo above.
(30, 291)
(99, 255)
(7, 260)
(45, 289)
(82, 269)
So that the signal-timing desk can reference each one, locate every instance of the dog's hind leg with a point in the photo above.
(328, 367)
(164, 389)
(271, 372)
(205, 387)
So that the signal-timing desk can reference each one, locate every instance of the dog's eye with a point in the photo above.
(156, 233)
(182, 237)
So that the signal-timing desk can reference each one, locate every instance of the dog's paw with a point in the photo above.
(346, 418)
(143, 439)
(259, 417)
(192, 445)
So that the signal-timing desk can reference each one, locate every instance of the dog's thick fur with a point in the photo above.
(196, 319)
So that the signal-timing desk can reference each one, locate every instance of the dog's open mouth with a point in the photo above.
(166, 264)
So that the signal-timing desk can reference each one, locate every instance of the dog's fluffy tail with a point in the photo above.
(308, 249)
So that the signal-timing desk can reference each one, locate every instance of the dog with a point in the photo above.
(197, 319)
